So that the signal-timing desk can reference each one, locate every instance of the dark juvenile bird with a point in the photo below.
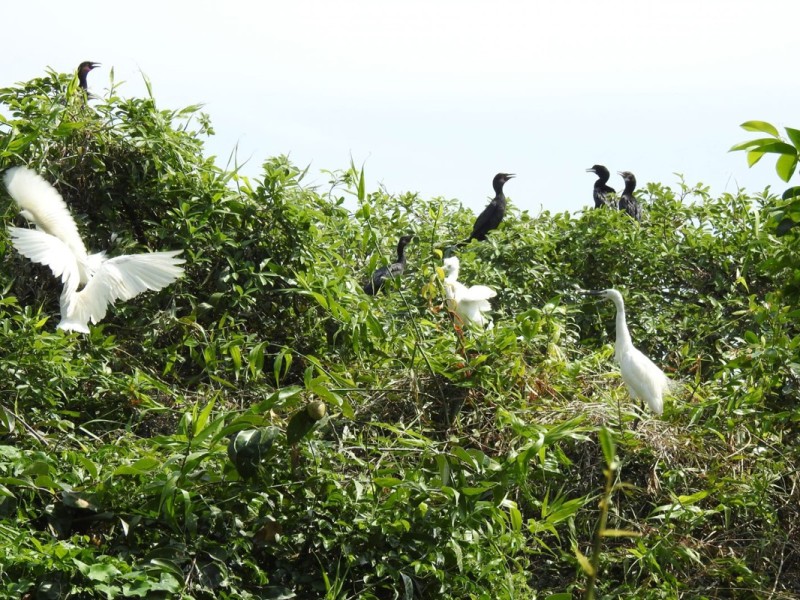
(379, 277)
(603, 193)
(492, 215)
(627, 201)
(83, 71)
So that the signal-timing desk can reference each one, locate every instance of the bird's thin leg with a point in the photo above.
(457, 325)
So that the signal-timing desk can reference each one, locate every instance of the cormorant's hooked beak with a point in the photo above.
(510, 175)
(620, 173)
(93, 65)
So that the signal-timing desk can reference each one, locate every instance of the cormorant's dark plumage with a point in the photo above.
(627, 201)
(379, 277)
(492, 215)
(83, 71)
(604, 194)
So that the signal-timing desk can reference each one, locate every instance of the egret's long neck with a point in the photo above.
(623, 335)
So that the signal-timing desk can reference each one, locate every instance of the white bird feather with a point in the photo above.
(644, 380)
(57, 244)
(469, 303)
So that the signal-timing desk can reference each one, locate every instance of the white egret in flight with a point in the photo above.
(56, 243)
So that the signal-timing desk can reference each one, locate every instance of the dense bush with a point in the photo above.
(449, 464)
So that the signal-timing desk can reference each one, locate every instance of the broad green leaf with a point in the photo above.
(299, 425)
(692, 498)
(785, 166)
(102, 572)
(751, 144)
(477, 490)
(753, 157)
(778, 148)
(387, 481)
(760, 126)
(202, 419)
(794, 136)
(791, 193)
(408, 586)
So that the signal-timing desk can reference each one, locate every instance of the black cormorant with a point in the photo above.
(603, 194)
(627, 201)
(83, 71)
(379, 277)
(492, 215)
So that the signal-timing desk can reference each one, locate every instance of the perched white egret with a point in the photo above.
(57, 244)
(469, 303)
(645, 381)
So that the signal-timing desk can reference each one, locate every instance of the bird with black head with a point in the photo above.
(83, 72)
(396, 269)
(627, 200)
(493, 214)
(603, 194)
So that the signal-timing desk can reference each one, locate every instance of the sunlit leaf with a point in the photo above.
(620, 533)
(785, 166)
(584, 562)
(778, 148)
(608, 444)
(753, 157)
(761, 126)
(794, 136)
(751, 144)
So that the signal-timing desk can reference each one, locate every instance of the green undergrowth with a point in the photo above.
(171, 453)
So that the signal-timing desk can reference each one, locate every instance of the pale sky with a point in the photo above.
(437, 96)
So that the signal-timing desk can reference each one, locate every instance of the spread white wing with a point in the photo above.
(45, 249)
(119, 278)
(476, 293)
(40, 203)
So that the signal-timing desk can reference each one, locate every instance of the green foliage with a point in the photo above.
(263, 429)
(787, 152)
(784, 215)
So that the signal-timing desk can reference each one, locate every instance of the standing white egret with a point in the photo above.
(469, 303)
(645, 381)
(57, 244)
